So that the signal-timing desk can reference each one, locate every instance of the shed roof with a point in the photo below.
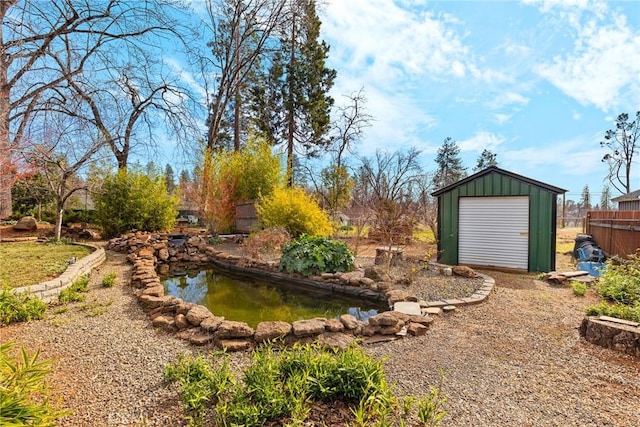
(497, 170)
(634, 195)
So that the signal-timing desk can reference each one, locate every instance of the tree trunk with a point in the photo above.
(58, 230)
(290, 113)
(5, 140)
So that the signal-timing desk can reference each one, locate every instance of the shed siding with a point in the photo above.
(542, 209)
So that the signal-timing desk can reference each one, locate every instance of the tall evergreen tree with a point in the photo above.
(486, 159)
(450, 167)
(605, 198)
(585, 199)
(295, 105)
(169, 178)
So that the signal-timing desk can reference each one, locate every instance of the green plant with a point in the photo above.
(199, 383)
(214, 240)
(132, 200)
(19, 307)
(430, 407)
(579, 289)
(230, 177)
(294, 210)
(621, 311)
(109, 280)
(621, 282)
(24, 394)
(282, 385)
(74, 292)
(311, 255)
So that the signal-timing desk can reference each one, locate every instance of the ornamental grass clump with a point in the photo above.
(309, 255)
(281, 387)
(19, 307)
(24, 393)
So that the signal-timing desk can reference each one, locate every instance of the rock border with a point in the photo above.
(610, 332)
(50, 290)
(195, 323)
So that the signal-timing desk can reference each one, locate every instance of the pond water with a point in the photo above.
(255, 301)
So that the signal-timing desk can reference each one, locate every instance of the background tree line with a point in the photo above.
(84, 87)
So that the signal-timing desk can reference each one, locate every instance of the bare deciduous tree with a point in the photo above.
(390, 181)
(37, 37)
(623, 142)
(60, 146)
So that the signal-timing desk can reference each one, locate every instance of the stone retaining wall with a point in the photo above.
(195, 323)
(616, 334)
(48, 291)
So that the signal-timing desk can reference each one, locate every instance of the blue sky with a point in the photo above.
(536, 82)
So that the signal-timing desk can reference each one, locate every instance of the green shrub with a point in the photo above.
(199, 383)
(20, 307)
(282, 386)
(312, 255)
(579, 289)
(24, 395)
(295, 211)
(621, 283)
(237, 176)
(620, 311)
(74, 292)
(109, 280)
(132, 200)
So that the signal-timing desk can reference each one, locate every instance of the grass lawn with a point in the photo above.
(30, 263)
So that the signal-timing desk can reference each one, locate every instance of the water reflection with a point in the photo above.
(254, 301)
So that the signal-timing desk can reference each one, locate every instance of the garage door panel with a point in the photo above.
(493, 231)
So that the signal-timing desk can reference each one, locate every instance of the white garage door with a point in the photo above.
(494, 231)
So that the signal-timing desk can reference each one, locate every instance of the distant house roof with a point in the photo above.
(497, 170)
(634, 195)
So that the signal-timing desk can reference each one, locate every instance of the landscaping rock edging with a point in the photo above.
(609, 332)
(48, 291)
(199, 326)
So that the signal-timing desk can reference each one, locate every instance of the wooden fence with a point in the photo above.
(617, 232)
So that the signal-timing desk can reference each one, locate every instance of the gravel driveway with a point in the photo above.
(515, 360)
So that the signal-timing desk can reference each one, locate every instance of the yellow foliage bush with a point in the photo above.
(296, 211)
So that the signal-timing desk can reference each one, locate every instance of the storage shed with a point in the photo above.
(496, 218)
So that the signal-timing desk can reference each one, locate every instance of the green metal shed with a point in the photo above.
(496, 218)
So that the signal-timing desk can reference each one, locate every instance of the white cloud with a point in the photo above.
(505, 99)
(480, 141)
(603, 68)
(501, 118)
(391, 42)
(569, 158)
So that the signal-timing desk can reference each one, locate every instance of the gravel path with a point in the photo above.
(513, 360)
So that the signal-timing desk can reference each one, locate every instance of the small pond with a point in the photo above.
(255, 301)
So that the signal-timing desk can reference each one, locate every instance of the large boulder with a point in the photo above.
(310, 327)
(27, 223)
(197, 314)
(230, 329)
(463, 271)
(266, 331)
(377, 273)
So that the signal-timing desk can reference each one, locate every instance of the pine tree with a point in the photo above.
(450, 167)
(294, 106)
(169, 178)
(585, 200)
(486, 159)
(605, 198)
